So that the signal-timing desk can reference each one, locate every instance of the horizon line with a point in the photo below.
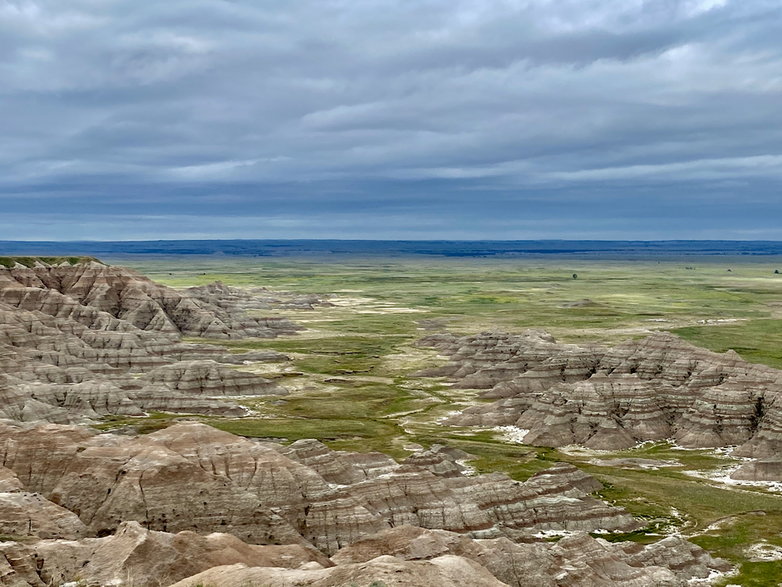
(397, 240)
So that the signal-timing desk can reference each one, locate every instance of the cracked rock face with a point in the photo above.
(653, 389)
(192, 501)
(88, 340)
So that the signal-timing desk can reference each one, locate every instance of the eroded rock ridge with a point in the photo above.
(89, 340)
(652, 389)
(194, 501)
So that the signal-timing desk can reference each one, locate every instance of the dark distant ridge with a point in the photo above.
(400, 248)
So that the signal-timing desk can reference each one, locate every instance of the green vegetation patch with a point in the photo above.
(142, 425)
(690, 459)
(517, 461)
(610, 301)
(330, 355)
(293, 429)
(732, 538)
(757, 341)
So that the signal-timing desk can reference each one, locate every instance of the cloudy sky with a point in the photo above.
(640, 119)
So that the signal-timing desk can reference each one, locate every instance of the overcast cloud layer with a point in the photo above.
(391, 119)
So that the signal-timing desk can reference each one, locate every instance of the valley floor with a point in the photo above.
(352, 372)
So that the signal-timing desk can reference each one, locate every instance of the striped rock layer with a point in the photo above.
(88, 340)
(194, 504)
(613, 398)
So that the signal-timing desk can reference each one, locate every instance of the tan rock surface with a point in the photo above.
(384, 570)
(30, 514)
(766, 469)
(137, 556)
(576, 560)
(150, 505)
(193, 477)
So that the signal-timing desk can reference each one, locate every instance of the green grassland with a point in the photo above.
(353, 381)
(608, 300)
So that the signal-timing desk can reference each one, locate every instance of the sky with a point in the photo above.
(391, 119)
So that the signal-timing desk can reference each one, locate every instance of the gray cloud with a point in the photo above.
(464, 119)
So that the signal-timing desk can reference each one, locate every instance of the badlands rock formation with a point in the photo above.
(88, 340)
(137, 556)
(612, 398)
(233, 299)
(193, 477)
(191, 505)
(574, 560)
(193, 501)
(65, 290)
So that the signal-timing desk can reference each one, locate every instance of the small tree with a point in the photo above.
(575, 276)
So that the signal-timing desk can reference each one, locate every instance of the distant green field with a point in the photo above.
(718, 304)
(353, 371)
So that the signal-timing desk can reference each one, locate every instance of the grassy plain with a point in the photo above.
(353, 371)
(608, 300)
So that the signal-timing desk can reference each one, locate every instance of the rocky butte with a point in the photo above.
(652, 389)
(86, 340)
(191, 505)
